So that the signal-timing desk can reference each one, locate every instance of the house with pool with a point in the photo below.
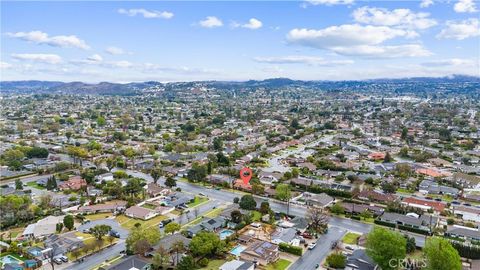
(259, 252)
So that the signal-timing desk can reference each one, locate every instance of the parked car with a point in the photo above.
(166, 221)
(86, 231)
(57, 260)
(312, 245)
(307, 235)
(114, 234)
(63, 258)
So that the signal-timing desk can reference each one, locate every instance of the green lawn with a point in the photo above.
(281, 264)
(33, 184)
(98, 216)
(405, 191)
(351, 238)
(214, 213)
(198, 200)
(256, 216)
(129, 223)
(91, 241)
(214, 265)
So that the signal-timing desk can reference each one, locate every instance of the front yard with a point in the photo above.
(92, 245)
(33, 184)
(198, 200)
(213, 265)
(281, 264)
(351, 238)
(129, 223)
(98, 216)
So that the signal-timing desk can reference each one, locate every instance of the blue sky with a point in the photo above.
(225, 40)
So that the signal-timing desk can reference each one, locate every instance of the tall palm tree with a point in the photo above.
(178, 247)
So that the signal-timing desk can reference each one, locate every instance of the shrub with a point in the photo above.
(203, 262)
(336, 260)
(291, 249)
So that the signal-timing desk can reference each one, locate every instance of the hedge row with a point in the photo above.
(469, 252)
(401, 227)
(330, 191)
(291, 249)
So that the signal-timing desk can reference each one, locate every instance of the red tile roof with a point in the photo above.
(438, 206)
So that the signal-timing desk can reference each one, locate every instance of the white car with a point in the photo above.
(312, 245)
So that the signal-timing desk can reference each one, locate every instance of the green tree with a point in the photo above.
(197, 173)
(283, 193)
(336, 260)
(101, 121)
(217, 144)
(206, 243)
(99, 231)
(248, 202)
(156, 172)
(337, 209)
(161, 259)
(384, 245)
(18, 184)
(172, 227)
(170, 182)
(411, 245)
(388, 158)
(187, 263)
(138, 233)
(13, 158)
(404, 133)
(264, 207)
(441, 255)
(68, 222)
(37, 152)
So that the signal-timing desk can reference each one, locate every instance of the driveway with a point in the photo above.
(315, 256)
(110, 222)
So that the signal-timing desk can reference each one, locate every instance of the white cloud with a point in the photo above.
(449, 62)
(115, 50)
(301, 59)
(394, 51)
(345, 35)
(211, 22)
(149, 14)
(330, 2)
(426, 3)
(403, 18)
(121, 64)
(5, 65)
(463, 6)
(95, 58)
(252, 24)
(40, 37)
(38, 57)
(357, 40)
(460, 30)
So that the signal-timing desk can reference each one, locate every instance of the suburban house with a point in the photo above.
(167, 243)
(118, 206)
(423, 222)
(140, 212)
(43, 227)
(355, 208)
(467, 213)
(431, 187)
(74, 183)
(372, 195)
(220, 179)
(286, 235)
(424, 205)
(208, 224)
(464, 233)
(237, 265)
(359, 260)
(319, 200)
(63, 243)
(130, 263)
(260, 252)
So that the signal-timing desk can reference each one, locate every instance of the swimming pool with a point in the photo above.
(225, 233)
(237, 250)
(10, 259)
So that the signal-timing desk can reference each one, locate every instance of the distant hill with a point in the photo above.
(107, 88)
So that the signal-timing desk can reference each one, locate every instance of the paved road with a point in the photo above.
(315, 256)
